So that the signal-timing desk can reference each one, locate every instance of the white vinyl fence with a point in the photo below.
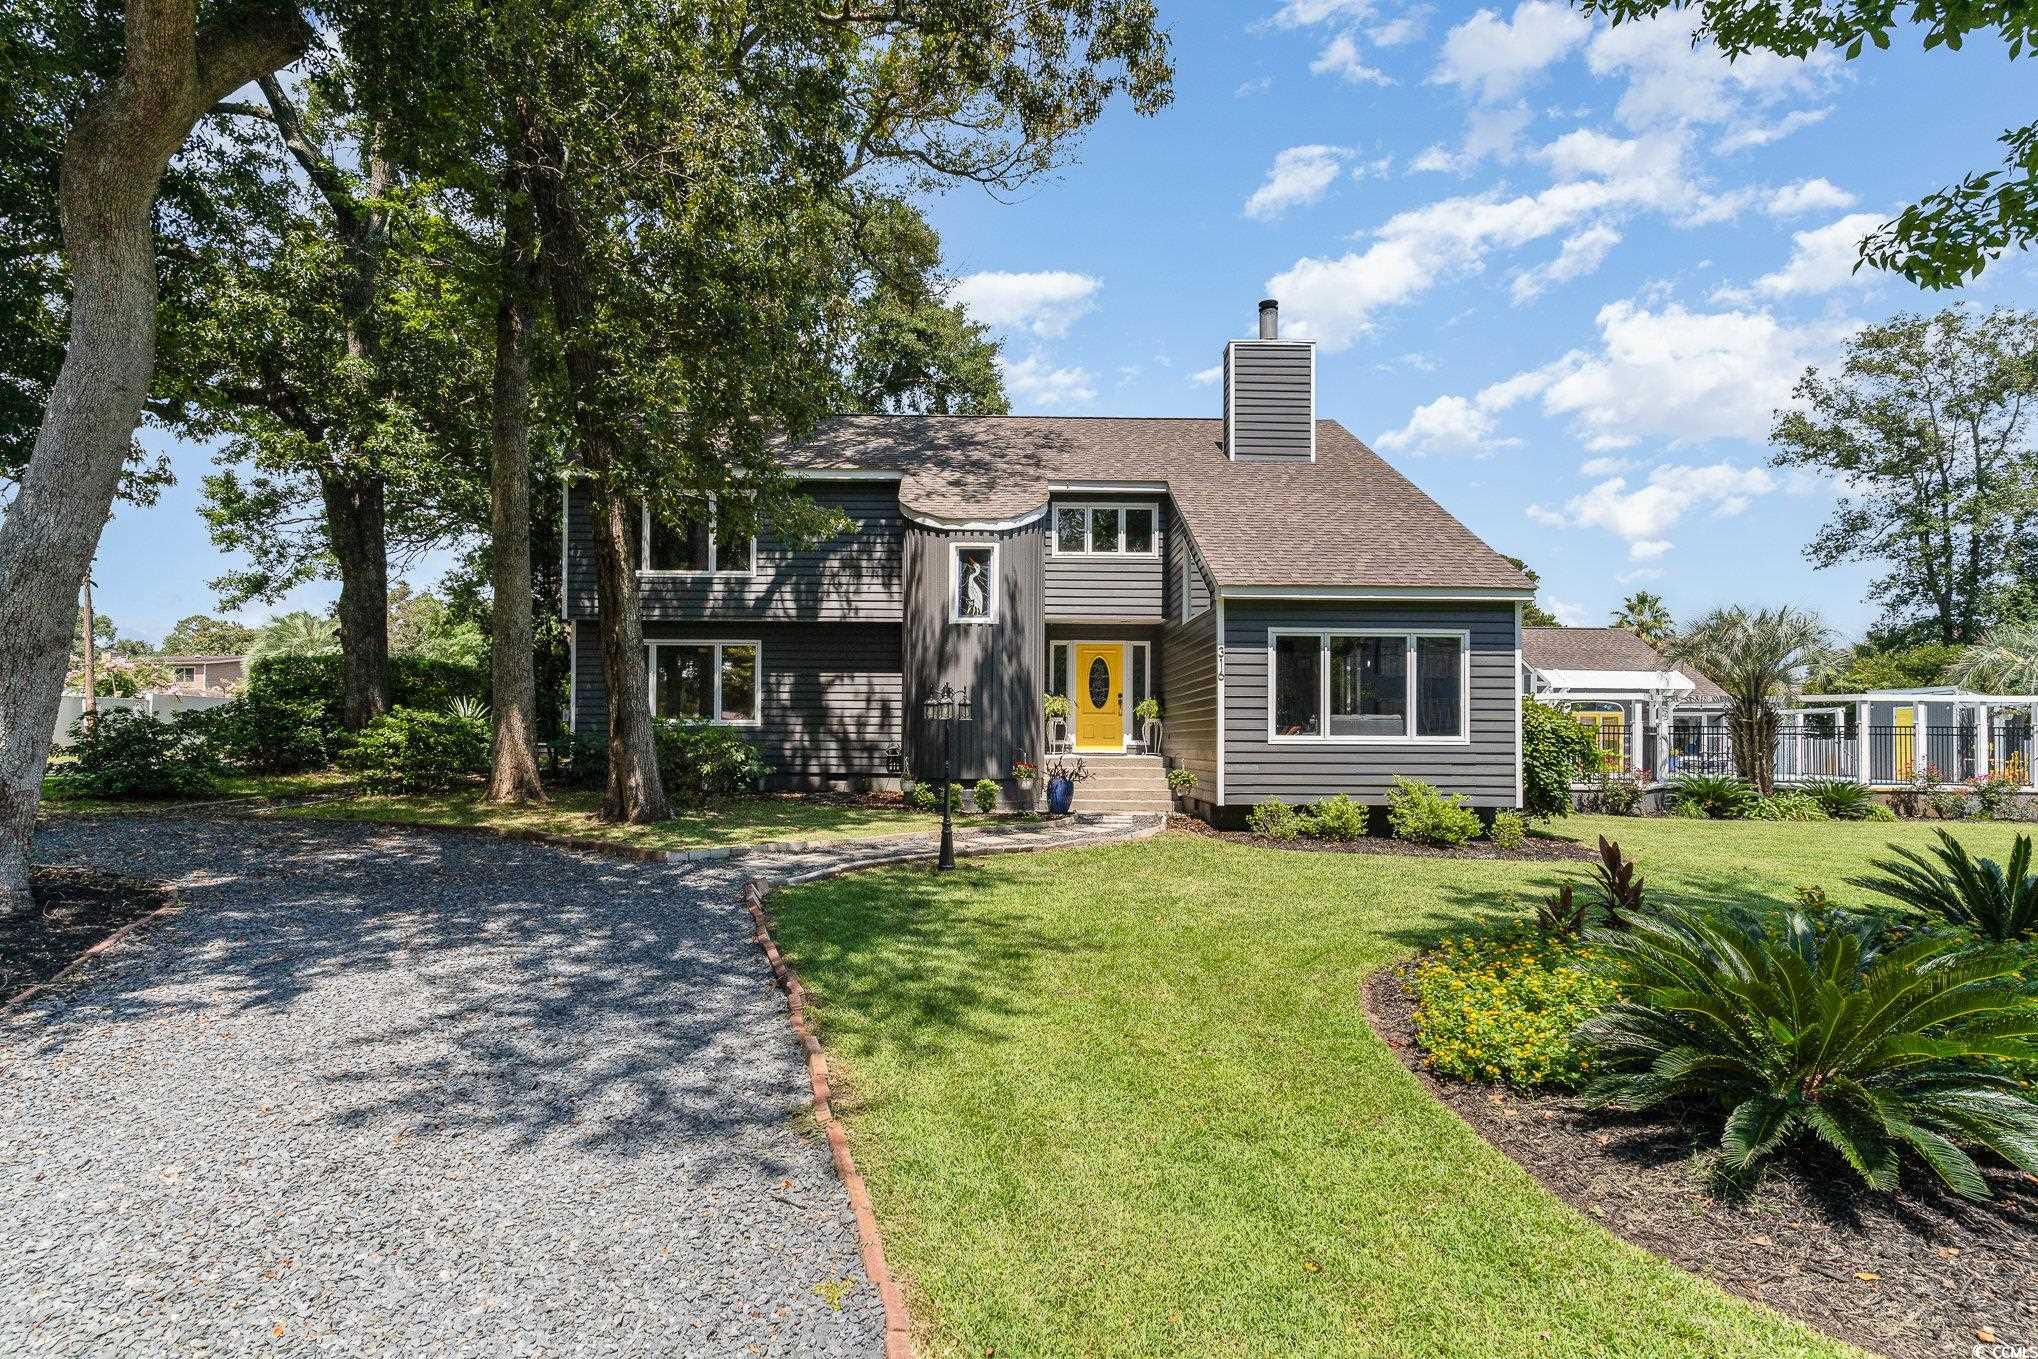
(161, 706)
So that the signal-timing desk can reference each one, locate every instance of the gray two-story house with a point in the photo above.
(1309, 622)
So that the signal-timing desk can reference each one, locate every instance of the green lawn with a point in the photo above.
(1123, 1101)
(60, 795)
(737, 822)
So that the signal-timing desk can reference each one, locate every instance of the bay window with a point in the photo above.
(707, 681)
(1366, 685)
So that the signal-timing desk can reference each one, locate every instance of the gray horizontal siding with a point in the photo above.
(853, 577)
(1268, 399)
(1080, 585)
(1001, 663)
(1188, 688)
(833, 698)
(1256, 770)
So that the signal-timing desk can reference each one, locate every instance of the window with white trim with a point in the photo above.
(972, 582)
(1105, 530)
(694, 548)
(720, 682)
(1367, 685)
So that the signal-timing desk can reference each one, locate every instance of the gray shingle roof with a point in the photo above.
(1604, 649)
(1348, 519)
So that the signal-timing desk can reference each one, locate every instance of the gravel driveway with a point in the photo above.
(381, 1092)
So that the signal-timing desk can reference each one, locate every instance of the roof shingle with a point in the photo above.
(1604, 649)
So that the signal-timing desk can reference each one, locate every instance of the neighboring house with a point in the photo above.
(1310, 622)
(203, 674)
(1648, 714)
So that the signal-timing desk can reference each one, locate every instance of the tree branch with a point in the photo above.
(324, 175)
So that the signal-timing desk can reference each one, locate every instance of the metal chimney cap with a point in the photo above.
(1270, 319)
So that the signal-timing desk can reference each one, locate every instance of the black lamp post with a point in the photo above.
(948, 708)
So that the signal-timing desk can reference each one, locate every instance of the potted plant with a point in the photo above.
(1056, 708)
(1025, 774)
(1062, 778)
(1148, 711)
(1181, 783)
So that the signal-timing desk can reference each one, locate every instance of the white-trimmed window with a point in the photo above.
(1368, 684)
(1082, 530)
(694, 549)
(721, 682)
(973, 582)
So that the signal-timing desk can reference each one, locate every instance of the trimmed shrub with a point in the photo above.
(1421, 814)
(1335, 818)
(701, 762)
(1275, 821)
(1801, 1034)
(129, 754)
(1720, 796)
(1998, 902)
(1508, 831)
(921, 797)
(1878, 812)
(1555, 749)
(1503, 1008)
(1787, 806)
(1842, 799)
(1995, 796)
(986, 795)
(305, 691)
(410, 750)
(276, 733)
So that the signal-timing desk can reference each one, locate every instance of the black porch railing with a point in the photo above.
(1809, 751)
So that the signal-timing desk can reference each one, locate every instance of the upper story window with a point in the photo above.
(1367, 685)
(973, 582)
(695, 548)
(1106, 530)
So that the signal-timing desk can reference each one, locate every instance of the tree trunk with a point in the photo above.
(90, 707)
(114, 160)
(635, 792)
(1754, 735)
(513, 771)
(354, 523)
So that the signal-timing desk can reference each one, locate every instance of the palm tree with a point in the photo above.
(1755, 656)
(295, 634)
(1646, 616)
(2004, 661)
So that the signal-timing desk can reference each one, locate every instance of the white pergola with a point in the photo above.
(1654, 693)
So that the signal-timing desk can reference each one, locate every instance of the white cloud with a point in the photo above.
(1639, 575)
(1821, 260)
(1580, 255)
(1035, 381)
(1671, 82)
(1807, 195)
(1208, 377)
(1298, 175)
(1494, 57)
(1045, 303)
(1605, 467)
(1648, 549)
(1762, 134)
(1308, 13)
(1256, 86)
(1340, 57)
(1642, 514)
(1449, 424)
(1569, 614)
(1490, 134)
(1400, 29)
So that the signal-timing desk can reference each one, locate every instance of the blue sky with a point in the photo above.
(1559, 274)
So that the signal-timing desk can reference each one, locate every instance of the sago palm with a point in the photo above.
(1812, 1033)
(1998, 902)
(1755, 655)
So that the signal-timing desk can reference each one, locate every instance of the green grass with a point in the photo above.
(736, 822)
(1124, 1101)
(59, 794)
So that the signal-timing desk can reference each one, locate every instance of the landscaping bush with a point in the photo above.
(308, 688)
(1555, 747)
(1508, 831)
(1797, 1033)
(1620, 888)
(1503, 1008)
(1275, 821)
(1878, 812)
(1842, 799)
(1948, 804)
(587, 760)
(1995, 796)
(276, 733)
(1787, 806)
(129, 754)
(1720, 796)
(921, 797)
(701, 762)
(1419, 813)
(1995, 901)
(1687, 811)
(411, 750)
(1616, 794)
(1335, 818)
(986, 795)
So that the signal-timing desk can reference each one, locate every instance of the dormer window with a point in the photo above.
(1106, 530)
(695, 548)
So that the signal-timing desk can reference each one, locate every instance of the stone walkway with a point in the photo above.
(401, 1092)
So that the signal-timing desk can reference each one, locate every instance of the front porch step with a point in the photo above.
(1124, 783)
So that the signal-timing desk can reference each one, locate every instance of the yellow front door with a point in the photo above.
(1099, 696)
(1904, 742)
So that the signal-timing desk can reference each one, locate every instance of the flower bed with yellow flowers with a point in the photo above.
(1502, 1007)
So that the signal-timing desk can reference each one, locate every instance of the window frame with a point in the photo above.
(955, 550)
(715, 646)
(1408, 737)
(1119, 507)
(644, 567)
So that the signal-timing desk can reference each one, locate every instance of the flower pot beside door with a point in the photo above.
(1062, 778)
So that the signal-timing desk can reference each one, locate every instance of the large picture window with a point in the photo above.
(973, 582)
(1366, 685)
(707, 681)
(1106, 530)
(695, 547)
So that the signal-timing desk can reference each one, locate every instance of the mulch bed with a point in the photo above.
(1920, 1274)
(1535, 847)
(75, 908)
